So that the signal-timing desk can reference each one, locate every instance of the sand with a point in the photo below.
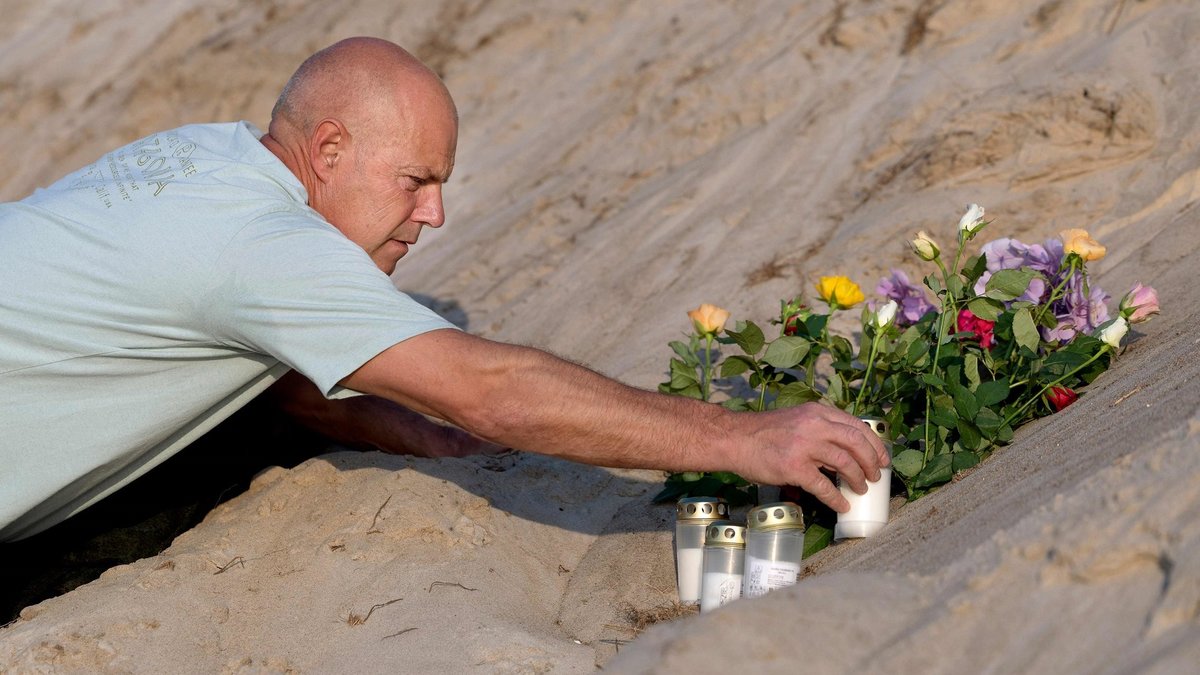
(620, 163)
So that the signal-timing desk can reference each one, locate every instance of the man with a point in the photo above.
(173, 280)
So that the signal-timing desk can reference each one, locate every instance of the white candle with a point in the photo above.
(868, 512)
(720, 588)
(689, 567)
(764, 575)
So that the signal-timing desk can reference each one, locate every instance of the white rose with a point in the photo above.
(971, 220)
(1113, 331)
(885, 314)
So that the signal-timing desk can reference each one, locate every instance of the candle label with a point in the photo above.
(765, 575)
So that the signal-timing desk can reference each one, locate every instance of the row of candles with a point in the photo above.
(719, 560)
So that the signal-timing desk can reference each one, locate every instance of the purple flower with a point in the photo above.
(1077, 312)
(1010, 254)
(911, 298)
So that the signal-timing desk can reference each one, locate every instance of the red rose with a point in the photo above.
(982, 328)
(789, 326)
(1061, 397)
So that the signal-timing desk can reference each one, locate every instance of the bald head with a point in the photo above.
(362, 81)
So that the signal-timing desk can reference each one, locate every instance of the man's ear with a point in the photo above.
(326, 145)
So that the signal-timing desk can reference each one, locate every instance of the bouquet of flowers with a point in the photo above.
(986, 344)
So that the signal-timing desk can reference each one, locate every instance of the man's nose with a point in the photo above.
(430, 210)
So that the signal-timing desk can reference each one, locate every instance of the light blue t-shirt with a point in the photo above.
(149, 295)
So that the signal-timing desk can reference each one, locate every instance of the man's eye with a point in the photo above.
(411, 183)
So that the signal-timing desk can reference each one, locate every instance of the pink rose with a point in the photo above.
(1139, 304)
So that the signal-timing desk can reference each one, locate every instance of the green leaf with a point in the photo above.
(787, 351)
(816, 537)
(955, 284)
(748, 336)
(737, 404)
(968, 434)
(974, 268)
(933, 381)
(985, 308)
(685, 352)
(939, 470)
(944, 417)
(988, 422)
(971, 370)
(989, 394)
(934, 284)
(796, 393)
(682, 375)
(964, 400)
(736, 365)
(909, 462)
(1024, 330)
(963, 460)
(1009, 284)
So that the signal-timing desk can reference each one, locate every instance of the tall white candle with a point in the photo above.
(689, 567)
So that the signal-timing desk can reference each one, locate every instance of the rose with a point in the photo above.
(972, 220)
(839, 292)
(885, 314)
(1080, 243)
(925, 247)
(1139, 304)
(982, 328)
(793, 313)
(1061, 397)
(708, 319)
(1112, 332)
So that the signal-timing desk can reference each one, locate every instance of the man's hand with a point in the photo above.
(790, 447)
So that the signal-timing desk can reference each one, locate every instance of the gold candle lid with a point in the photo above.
(775, 516)
(878, 425)
(701, 508)
(726, 534)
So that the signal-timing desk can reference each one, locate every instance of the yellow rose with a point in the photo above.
(708, 319)
(925, 247)
(1081, 244)
(839, 292)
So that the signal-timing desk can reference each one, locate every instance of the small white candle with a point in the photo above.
(868, 512)
(720, 588)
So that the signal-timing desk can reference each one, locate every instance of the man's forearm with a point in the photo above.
(371, 422)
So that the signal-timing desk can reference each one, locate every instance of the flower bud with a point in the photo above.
(972, 220)
(1139, 304)
(925, 247)
(1112, 332)
(708, 319)
(1061, 397)
(1081, 244)
(885, 314)
(839, 292)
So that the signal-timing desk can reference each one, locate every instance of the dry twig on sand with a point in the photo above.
(356, 620)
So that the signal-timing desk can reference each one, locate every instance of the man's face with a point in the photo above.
(386, 190)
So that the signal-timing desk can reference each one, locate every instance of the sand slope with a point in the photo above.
(619, 163)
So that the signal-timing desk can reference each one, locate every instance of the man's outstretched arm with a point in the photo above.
(528, 399)
(372, 422)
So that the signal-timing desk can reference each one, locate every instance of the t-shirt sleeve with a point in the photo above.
(304, 294)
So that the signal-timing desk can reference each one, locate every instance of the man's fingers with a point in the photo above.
(847, 466)
(822, 488)
(854, 440)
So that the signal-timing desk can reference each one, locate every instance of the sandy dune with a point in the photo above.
(619, 163)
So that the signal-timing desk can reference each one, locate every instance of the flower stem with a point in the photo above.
(867, 373)
(1017, 413)
(704, 392)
